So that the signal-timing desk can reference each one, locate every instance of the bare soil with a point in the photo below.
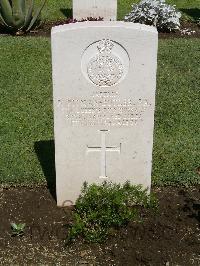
(44, 30)
(171, 236)
(193, 28)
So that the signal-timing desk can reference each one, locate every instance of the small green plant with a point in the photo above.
(100, 208)
(17, 15)
(17, 229)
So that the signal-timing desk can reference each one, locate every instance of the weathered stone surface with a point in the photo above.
(104, 78)
(106, 9)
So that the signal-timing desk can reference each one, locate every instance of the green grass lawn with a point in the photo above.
(26, 117)
(59, 9)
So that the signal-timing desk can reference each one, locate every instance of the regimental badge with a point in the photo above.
(105, 68)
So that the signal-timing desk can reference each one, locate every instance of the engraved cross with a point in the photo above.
(104, 149)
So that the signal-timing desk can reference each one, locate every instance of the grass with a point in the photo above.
(26, 117)
(59, 9)
(26, 109)
(177, 134)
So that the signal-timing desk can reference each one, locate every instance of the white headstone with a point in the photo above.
(104, 78)
(106, 9)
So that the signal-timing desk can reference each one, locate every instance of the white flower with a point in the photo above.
(156, 13)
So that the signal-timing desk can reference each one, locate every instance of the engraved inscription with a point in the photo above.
(103, 109)
(105, 69)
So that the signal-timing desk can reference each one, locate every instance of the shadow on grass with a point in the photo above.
(46, 155)
(67, 12)
(194, 13)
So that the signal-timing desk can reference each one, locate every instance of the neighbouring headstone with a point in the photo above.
(104, 78)
(106, 9)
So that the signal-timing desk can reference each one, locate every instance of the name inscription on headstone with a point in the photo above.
(103, 109)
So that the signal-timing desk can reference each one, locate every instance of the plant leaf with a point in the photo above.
(22, 226)
(18, 13)
(28, 16)
(14, 226)
(36, 15)
(22, 4)
(6, 12)
(2, 21)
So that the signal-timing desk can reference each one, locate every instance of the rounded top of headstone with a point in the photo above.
(89, 24)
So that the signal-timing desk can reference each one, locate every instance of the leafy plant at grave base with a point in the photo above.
(17, 229)
(18, 16)
(71, 20)
(100, 208)
(156, 13)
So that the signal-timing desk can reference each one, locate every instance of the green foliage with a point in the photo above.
(103, 207)
(17, 15)
(17, 229)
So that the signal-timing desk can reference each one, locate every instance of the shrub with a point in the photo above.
(156, 13)
(17, 15)
(100, 208)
